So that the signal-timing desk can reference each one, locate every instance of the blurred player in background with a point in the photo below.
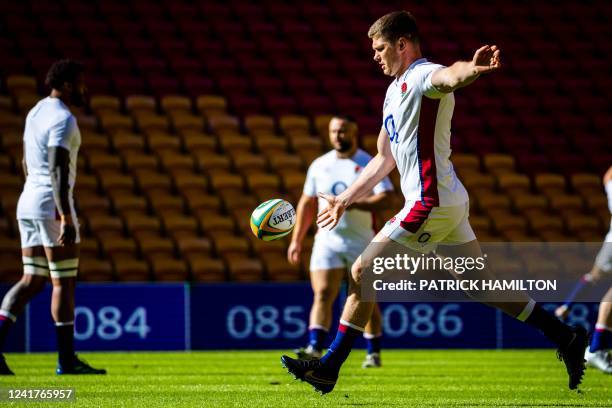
(46, 216)
(598, 354)
(415, 138)
(335, 251)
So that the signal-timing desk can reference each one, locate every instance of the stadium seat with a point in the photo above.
(140, 103)
(161, 141)
(550, 184)
(105, 226)
(476, 181)
(530, 204)
(493, 204)
(93, 204)
(118, 247)
(212, 223)
(197, 200)
(285, 162)
(142, 225)
(227, 246)
(193, 246)
(584, 227)
(197, 142)
(137, 162)
(177, 225)
(169, 269)
(182, 120)
(566, 204)
(205, 269)
(270, 145)
(95, 270)
(586, 183)
(279, 269)
(124, 204)
(224, 124)
(292, 124)
(248, 163)
(497, 163)
(259, 124)
(244, 269)
(514, 184)
(131, 270)
(175, 103)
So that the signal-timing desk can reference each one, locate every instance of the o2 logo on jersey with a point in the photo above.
(338, 187)
(391, 131)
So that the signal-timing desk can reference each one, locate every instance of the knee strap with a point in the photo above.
(64, 269)
(35, 265)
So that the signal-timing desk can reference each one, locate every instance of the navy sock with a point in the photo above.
(601, 340)
(341, 346)
(555, 330)
(317, 337)
(373, 343)
(5, 324)
(65, 343)
(582, 282)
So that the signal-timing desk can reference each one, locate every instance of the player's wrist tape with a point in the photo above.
(64, 269)
(8, 315)
(60, 324)
(35, 265)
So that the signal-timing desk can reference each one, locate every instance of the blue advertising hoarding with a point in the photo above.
(129, 316)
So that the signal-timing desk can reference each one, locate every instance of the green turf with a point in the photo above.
(256, 379)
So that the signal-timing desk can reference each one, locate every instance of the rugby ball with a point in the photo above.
(273, 219)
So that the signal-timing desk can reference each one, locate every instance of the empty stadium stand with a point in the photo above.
(199, 110)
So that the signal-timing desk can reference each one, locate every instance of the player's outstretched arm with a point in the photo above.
(305, 213)
(377, 169)
(462, 73)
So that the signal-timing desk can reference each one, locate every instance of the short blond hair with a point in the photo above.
(391, 27)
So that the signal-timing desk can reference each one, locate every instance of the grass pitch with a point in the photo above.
(256, 379)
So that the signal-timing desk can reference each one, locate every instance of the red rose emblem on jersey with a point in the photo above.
(404, 87)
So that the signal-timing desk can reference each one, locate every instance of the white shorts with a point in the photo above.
(422, 229)
(42, 232)
(323, 257)
(604, 258)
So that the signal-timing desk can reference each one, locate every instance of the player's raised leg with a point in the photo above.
(570, 341)
(35, 275)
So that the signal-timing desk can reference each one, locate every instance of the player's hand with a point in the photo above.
(329, 217)
(562, 311)
(486, 59)
(294, 252)
(67, 231)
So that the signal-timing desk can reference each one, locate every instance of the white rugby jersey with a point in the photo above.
(49, 124)
(332, 175)
(609, 193)
(417, 118)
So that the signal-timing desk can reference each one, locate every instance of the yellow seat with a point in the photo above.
(211, 104)
(259, 124)
(140, 103)
(176, 103)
